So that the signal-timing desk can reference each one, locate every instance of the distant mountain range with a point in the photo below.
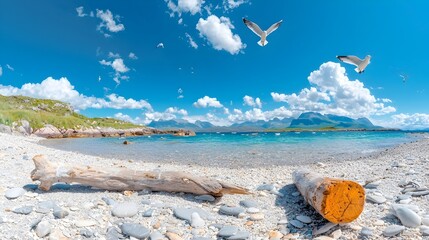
(306, 121)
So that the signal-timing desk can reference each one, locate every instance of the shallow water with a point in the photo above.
(240, 149)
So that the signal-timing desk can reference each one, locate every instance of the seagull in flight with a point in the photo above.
(160, 45)
(258, 31)
(404, 77)
(359, 63)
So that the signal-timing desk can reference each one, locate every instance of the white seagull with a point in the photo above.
(404, 77)
(359, 63)
(258, 31)
(160, 45)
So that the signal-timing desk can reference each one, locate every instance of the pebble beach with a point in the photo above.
(396, 182)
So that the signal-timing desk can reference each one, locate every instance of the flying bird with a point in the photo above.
(404, 77)
(258, 31)
(160, 45)
(359, 63)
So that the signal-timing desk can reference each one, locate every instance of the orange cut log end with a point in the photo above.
(343, 200)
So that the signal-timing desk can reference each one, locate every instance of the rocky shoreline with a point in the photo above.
(396, 183)
(49, 131)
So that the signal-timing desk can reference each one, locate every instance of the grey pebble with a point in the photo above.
(196, 220)
(156, 236)
(424, 231)
(135, 230)
(14, 193)
(145, 202)
(425, 221)
(43, 229)
(125, 209)
(108, 201)
(60, 213)
(208, 198)
(295, 194)
(408, 217)
(112, 234)
(241, 235)
(86, 233)
(148, 213)
(265, 187)
(200, 238)
(186, 213)
(393, 230)
(231, 211)
(23, 210)
(253, 210)
(296, 223)
(375, 198)
(247, 203)
(227, 231)
(404, 197)
(304, 219)
(366, 232)
(35, 222)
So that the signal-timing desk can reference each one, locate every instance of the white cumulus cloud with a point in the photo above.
(63, 90)
(230, 4)
(119, 67)
(333, 92)
(207, 101)
(408, 121)
(108, 21)
(257, 114)
(218, 32)
(132, 56)
(249, 101)
(184, 6)
(79, 11)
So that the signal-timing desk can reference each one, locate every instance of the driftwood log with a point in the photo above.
(116, 179)
(337, 200)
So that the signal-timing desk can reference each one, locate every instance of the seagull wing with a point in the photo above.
(274, 27)
(350, 59)
(254, 27)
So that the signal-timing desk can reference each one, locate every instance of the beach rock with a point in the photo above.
(208, 198)
(5, 129)
(156, 236)
(304, 219)
(404, 197)
(295, 194)
(148, 213)
(231, 211)
(419, 193)
(227, 231)
(108, 201)
(48, 131)
(408, 217)
(336, 234)
(60, 213)
(240, 235)
(35, 222)
(43, 229)
(23, 210)
(186, 213)
(296, 223)
(375, 198)
(248, 203)
(424, 230)
(86, 233)
(367, 232)
(196, 220)
(252, 210)
(328, 226)
(393, 230)
(56, 234)
(425, 221)
(14, 193)
(125, 209)
(135, 230)
(113, 234)
(200, 238)
(30, 186)
(173, 236)
(256, 217)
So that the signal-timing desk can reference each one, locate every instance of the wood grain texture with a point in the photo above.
(116, 179)
(337, 200)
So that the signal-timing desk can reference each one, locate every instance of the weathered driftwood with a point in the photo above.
(337, 200)
(117, 179)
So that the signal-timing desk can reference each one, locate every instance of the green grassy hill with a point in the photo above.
(39, 112)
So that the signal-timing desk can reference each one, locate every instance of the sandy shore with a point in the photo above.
(89, 217)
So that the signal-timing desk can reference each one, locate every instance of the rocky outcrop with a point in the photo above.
(50, 131)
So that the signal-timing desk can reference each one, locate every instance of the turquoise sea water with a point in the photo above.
(238, 149)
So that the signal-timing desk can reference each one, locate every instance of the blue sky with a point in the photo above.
(102, 57)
